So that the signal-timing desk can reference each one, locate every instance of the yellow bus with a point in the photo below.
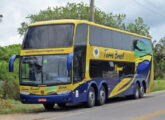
(73, 61)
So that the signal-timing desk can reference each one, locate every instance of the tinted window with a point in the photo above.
(81, 34)
(102, 69)
(111, 69)
(49, 36)
(49, 69)
(111, 39)
(79, 58)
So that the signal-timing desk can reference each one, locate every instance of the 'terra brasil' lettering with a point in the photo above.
(114, 55)
(108, 55)
(119, 56)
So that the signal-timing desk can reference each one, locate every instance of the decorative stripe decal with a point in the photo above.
(117, 90)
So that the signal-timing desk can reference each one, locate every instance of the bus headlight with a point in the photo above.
(24, 93)
(63, 92)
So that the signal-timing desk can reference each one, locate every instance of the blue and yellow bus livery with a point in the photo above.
(72, 61)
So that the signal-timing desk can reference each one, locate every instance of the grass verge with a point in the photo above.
(159, 85)
(18, 107)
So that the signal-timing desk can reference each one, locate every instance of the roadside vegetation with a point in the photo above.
(15, 106)
(9, 82)
(159, 85)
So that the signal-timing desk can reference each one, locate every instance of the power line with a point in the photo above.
(150, 9)
(154, 5)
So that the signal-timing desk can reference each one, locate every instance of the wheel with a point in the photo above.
(141, 95)
(102, 96)
(91, 97)
(137, 92)
(62, 105)
(48, 107)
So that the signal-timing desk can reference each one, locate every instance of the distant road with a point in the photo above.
(151, 107)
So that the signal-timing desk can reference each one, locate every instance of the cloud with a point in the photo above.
(158, 32)
(12, 40)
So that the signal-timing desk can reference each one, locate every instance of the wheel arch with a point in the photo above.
(134, 85)
(145, 85)
(94, 85)
(104, 83)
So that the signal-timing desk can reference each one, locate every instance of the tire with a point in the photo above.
(48, 107)
(142, 89)
(62, 105)
(137, 91)
(91, 98)
(102, 96)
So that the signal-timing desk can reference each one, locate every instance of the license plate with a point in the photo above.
(42, 100)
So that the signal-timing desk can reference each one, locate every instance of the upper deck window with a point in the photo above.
(49, 36)
(111, 39)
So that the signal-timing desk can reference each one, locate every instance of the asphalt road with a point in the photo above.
(151, 107)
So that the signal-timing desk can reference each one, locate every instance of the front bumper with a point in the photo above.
(34, 99)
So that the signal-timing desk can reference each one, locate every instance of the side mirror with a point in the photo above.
(11, 62)
(69, 61)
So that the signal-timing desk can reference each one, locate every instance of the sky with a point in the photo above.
(15, 11)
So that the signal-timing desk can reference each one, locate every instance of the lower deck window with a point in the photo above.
(110, 69)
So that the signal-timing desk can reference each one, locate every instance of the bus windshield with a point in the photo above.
(49, 36)
(45, 70)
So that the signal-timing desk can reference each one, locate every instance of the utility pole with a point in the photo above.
(1, 16)
(92, 11)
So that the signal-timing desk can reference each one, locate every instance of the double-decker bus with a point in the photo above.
(72, 61)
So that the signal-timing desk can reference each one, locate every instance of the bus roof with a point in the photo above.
(85, 22)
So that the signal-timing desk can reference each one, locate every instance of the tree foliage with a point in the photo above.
(10, 81)
(159, 58)
(81, 11)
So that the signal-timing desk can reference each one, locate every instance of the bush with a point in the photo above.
(10, 87)
(4, 104)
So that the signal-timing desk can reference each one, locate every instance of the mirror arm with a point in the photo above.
(11, 62)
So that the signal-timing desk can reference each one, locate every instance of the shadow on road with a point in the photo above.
(71, 107)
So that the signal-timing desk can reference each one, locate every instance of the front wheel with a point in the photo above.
(48, 107)
(91, 97)
(102, 96)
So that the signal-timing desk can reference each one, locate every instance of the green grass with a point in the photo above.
(18, 107)
(159, 85)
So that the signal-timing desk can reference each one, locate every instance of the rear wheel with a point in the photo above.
(137, 91)
(142, 89)
(91, 97)
(48, 107)
(102, 96)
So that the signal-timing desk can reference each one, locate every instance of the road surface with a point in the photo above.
(151, 107)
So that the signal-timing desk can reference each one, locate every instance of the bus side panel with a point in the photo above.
(80, 93)
(144, 60)
(151, 83)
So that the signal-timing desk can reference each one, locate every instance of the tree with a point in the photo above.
(159, 58)
(139, 27)
(81, 11)
(10, 89)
